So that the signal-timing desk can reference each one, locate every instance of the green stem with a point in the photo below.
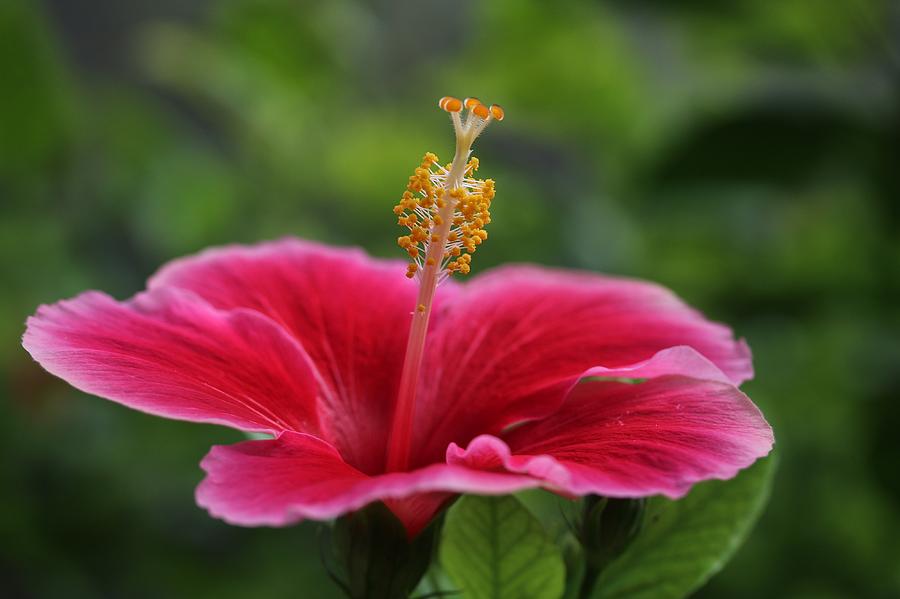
(588, 582)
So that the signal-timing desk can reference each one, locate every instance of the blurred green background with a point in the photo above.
(742, 152)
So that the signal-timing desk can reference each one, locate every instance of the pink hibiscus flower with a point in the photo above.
(530, 377)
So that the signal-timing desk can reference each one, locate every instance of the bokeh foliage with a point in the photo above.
(742, 152)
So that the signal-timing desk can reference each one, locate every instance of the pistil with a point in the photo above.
(444, 232)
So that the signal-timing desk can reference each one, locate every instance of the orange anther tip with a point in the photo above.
(481, 111)
(450, 104)
(471, 103)
(496, 112)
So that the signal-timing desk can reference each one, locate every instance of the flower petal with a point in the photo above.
(281, 481)
(169, 353)
(682, 360)
(511, 343)
(631, 440)
(351, 313)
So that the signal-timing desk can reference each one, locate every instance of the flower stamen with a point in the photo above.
(423, 208)
(445, 210)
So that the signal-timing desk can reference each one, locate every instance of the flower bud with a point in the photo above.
(607, 528)
(370, 556)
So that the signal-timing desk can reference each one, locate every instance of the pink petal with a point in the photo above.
(169, 353)
(631, 440)
(294, 477)
(511, 343)
(351, 313)
(681, 360)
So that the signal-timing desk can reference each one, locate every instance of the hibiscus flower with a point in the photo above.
(375, 386)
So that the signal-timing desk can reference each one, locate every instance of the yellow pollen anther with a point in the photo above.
(496, 112)
(471, 103)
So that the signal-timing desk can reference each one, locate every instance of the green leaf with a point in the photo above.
(685, 542)
(493, 548)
